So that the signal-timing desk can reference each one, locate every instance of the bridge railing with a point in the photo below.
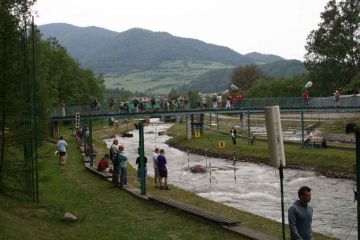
(246, 104)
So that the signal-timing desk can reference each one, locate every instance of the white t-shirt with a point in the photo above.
(155, 162)
(62, 145)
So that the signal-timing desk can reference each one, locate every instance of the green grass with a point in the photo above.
(295, 155)
(104, 212)
(160, 81)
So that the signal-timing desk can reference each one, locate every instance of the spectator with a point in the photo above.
(156, 168)
(123, 165)
(114, 150)
(162, 170)
(233, 135)
(300, 216)
(306, 98)
(62, 148)
(103, 163)
(139, 169)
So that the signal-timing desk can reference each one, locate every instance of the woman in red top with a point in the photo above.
(103, 163)
(306, 98)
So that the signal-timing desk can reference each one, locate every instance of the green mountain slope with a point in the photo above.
(155, 62)
(78, 41)
(284, 68)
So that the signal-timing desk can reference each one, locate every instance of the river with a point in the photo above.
(256, 188)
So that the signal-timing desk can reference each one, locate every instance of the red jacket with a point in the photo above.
(103, 164)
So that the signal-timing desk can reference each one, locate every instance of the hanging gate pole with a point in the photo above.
(142, 160)
(282, 201)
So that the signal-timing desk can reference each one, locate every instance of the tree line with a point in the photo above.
(35, 75)
(332, 58)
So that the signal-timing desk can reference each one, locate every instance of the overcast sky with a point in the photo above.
(267, 26)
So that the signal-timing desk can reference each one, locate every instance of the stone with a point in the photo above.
(69, 217)
(198, 169)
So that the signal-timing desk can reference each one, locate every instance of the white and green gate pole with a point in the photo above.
(276, 150)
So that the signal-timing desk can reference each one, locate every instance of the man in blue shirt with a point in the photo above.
(62, 147)
(300, 216)
(162, 170)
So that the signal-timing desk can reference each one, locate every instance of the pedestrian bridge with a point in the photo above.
(347, 103)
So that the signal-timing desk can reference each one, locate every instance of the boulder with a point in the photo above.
(126, 134)
(69, 217)
(171, 134)
(198, 169)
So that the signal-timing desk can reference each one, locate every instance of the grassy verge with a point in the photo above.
(331, 162)
(104, 212)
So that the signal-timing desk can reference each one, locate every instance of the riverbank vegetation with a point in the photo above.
(330, 162)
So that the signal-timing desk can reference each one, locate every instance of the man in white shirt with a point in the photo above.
(156, 169)
(62, 147)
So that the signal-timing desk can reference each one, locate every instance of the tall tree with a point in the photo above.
(13, 14)
(333, 50)
(244, 77)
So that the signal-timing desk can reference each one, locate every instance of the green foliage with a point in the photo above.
(278, 87)
(284, 68)
(35, 75)
(63, 79)
(355, 84)
(173, 94)
(244, 77)
(121, 94)
(193, 97)
(211, 81)
(333, 50)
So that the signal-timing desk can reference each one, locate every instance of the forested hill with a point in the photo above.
(106, 51)
(78, 41)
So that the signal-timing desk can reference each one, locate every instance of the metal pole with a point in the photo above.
(188, 159)
(217, 121)
(234, 168)
(210, 173)
(282, 201)
(248, 123)
(35, 125)
(302, 128)
(357, 135)
(90, 142)
(210, 120)
(142, 159)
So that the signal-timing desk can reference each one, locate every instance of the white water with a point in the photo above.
(257, 187)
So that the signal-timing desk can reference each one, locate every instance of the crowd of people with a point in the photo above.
(118, 166)
(164, 103)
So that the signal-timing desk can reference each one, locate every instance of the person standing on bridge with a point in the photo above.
(300, 216)
(306, 98)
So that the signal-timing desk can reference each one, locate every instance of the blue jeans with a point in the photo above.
(115, 175)
(123, 176)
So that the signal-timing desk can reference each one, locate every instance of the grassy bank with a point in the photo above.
(330, 162)
(105, 212)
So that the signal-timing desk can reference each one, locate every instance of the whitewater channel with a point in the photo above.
(256, 188)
